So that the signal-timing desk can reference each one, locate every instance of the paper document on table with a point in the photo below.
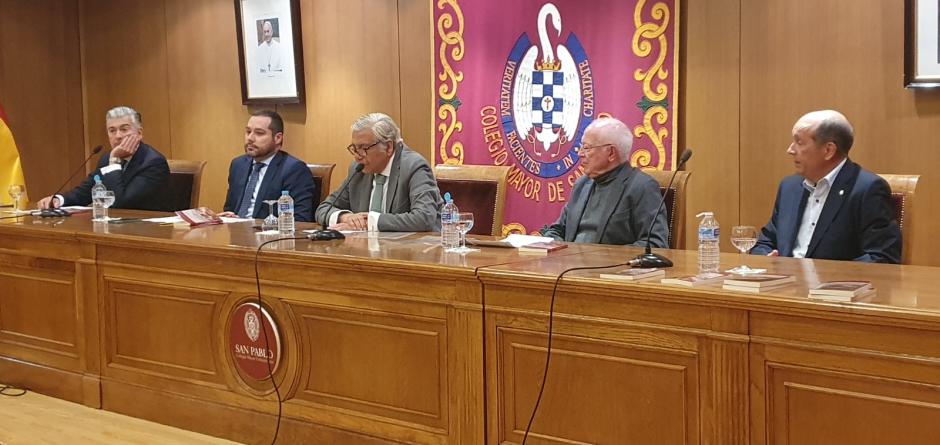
(165, 220)
(228, 220)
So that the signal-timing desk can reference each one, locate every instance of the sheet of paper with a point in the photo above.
(165, 220)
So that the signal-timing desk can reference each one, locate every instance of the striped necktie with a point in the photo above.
(249, 196)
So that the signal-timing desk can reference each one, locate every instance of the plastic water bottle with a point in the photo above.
(97, 209)
(285, 214)
(450, 237)
(708, 249)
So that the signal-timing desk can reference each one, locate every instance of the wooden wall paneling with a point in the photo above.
(709, 123)
(207, 118)
(40, 89)
(124, 62)
(417, 79)
(846, 59)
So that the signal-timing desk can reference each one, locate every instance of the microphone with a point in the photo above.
(648, 258)
(57, 212)
(331, 234)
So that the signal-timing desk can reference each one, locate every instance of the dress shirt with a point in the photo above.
(254, 194)
(814, 205)
(373, 221)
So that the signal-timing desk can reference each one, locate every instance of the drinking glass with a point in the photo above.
(744, 238)
(464, 224)
(106, 200)
(270, 223)
(15, 191)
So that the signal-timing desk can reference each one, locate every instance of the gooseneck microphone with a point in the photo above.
(331, 234)
(648, 258)
(56, 212)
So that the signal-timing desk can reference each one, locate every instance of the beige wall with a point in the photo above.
(748, 70)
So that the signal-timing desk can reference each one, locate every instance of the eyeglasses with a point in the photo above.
(584, 150)
(360, 151)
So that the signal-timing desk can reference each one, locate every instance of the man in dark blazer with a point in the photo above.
(136, 172)
(265, 170)
(394, 189)
(832, 208)
(613, 203)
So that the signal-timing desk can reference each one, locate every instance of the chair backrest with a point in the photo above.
(675, 203)
(480, 189)
(902, 195)
(322, 174)
(185, 178)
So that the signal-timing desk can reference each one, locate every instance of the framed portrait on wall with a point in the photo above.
(270, 51)
(922, 43)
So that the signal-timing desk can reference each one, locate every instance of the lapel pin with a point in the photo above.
(841, 192)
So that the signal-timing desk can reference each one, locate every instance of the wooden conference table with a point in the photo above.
(396, 341)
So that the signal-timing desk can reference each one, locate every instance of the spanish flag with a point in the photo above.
(10, 170)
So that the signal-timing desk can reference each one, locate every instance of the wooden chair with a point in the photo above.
(902, 194)
(480, 189)
(675, 204)
(185, 178)
(322, 175)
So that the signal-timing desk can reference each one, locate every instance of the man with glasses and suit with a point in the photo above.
(265, 170)
(613, 203)
(389, 187)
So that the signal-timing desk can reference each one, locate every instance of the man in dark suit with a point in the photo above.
(265, 170)
(136, 172)
(613, 203)
(394, 191)
(831, 209)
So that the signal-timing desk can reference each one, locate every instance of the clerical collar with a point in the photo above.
(609, 176)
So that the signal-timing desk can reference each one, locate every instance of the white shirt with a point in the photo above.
(373, 221)
(815, 202)
(254, 193)
(269, 56)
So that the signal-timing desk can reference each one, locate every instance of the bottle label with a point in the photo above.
(285, 208)
(708, 233)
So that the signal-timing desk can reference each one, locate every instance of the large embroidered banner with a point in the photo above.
(517, 82)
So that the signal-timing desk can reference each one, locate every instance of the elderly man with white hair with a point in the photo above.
(390, 188)
(613, 203)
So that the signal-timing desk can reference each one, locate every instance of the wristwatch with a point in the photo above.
(114, 160)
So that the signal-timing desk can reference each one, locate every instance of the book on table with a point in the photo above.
(635, 274)
(202, 216)
(541, 248)
(756, 283)
(842, 291)
(696, 280)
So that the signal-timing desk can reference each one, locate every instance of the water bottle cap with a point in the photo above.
(284, 193)
(97, 178)
(704, 214)
(447, 197)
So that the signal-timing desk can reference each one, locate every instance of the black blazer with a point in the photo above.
(284, 172)
(857, 222)
(140, 184)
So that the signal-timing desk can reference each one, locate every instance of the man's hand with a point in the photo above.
(227, 215)
(127, 147)
(774, 253)
(49, 202)
(352, 221)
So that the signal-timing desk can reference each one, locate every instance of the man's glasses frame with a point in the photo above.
(361, 151)
(585, 150)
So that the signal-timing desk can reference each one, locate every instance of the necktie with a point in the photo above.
(377, 192)
(249, 194)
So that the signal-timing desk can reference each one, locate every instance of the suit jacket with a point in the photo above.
(856, 223)
(284, 172)
(139, 184)
(413, 201)
(625, 220)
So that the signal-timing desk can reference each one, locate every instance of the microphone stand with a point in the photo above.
(648, 258)
(54, 212)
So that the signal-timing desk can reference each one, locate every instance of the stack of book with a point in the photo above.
(842, 291)
(541, 248)
(696, 280)
(757, 283)
(636, 274)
